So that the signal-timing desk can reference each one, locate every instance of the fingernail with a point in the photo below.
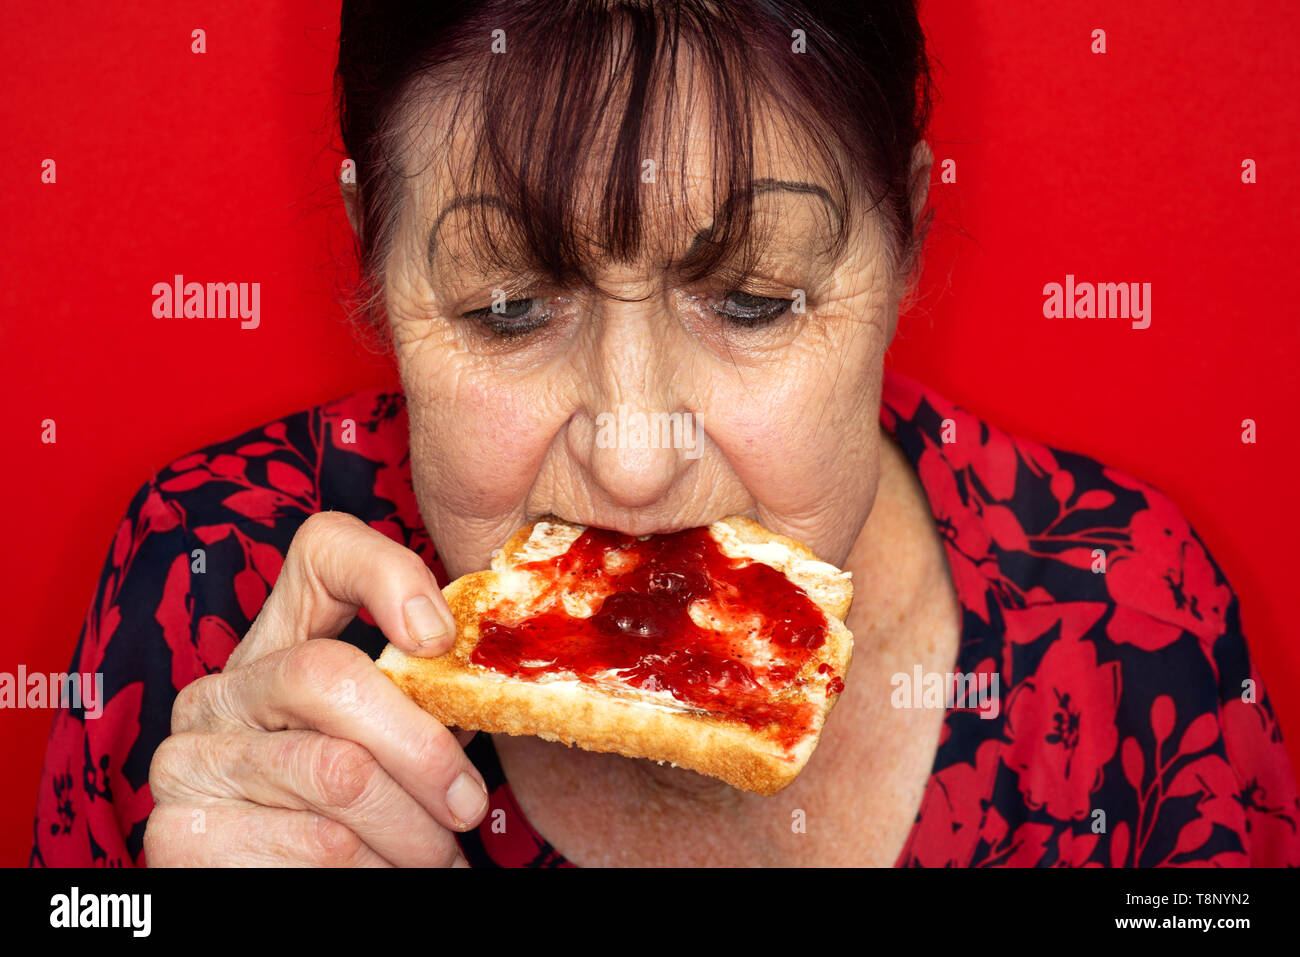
(466, 799)
(423, 623)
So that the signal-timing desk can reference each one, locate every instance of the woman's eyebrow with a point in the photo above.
(758, 187)
(460, 202)
(769, 186)
(793, 186)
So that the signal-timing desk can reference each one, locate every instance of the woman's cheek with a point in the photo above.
(481, 442)
(765, 443)
(806, 447)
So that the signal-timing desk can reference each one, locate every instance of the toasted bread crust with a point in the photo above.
(611, 719)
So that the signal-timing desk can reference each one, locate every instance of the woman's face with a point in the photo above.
(533, 409)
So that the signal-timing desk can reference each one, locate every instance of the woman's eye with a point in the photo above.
(513, 318)
(743, 309)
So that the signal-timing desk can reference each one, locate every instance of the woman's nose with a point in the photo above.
(630, 460)
(635, 435)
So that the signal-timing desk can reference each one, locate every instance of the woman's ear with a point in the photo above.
(919, 178)
(919, 185)
(349, 191)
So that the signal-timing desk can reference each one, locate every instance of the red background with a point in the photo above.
(1117, 167)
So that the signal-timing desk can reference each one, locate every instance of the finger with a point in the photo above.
(245, 835)
(334, 688)
(303, 771)
(337, 564)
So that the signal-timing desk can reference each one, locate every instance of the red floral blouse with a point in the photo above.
(1132, 728)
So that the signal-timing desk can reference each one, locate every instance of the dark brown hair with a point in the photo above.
(581, 76)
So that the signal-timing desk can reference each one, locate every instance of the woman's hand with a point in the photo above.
(302, 752)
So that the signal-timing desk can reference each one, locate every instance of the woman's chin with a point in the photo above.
(671, 782)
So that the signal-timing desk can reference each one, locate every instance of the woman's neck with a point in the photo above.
(900, 570)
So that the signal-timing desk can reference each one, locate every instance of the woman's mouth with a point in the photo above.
(629, 525)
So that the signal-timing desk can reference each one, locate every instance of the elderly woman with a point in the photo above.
(693, 208)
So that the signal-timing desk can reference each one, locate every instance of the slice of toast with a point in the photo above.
(723, 652)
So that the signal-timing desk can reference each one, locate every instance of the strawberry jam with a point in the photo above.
(641, 635)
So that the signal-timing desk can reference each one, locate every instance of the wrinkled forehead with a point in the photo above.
(639, 175)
